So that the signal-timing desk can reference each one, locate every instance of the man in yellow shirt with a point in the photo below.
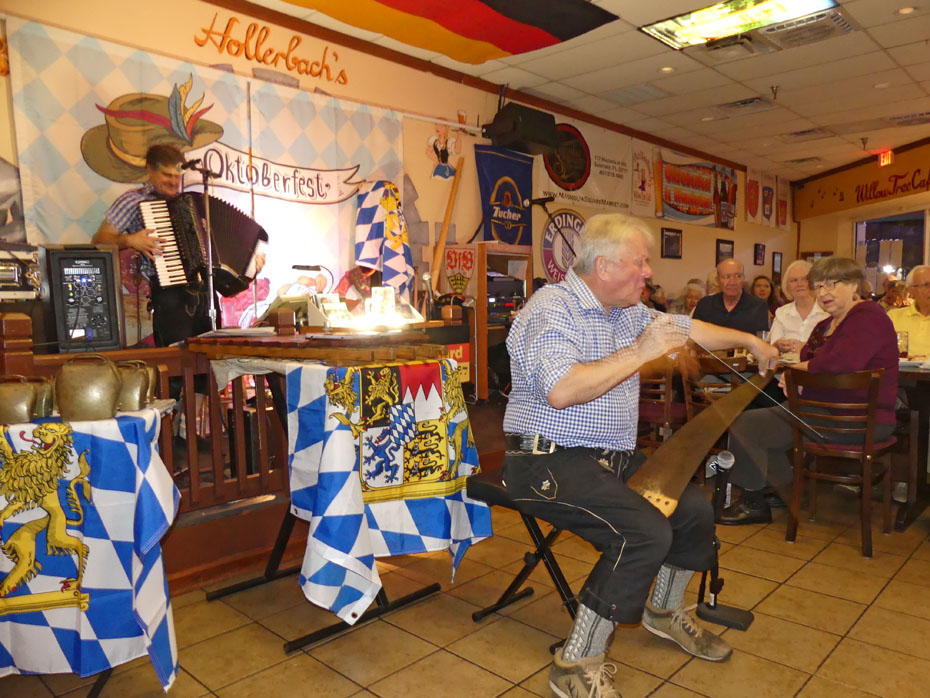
(915, 318)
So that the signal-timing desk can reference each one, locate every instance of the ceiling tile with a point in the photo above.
(632, 72)
(721, 95)
(558, 91)
(858, 87)
(872, 13)
(890, 108)
(910, 53)
(862, 99)
(621, 115)
(639, 13)
(921, 71)
(692, 81)
(591, 104)
(854, 44)
(592, 56)
(514, 77)
(822, 73)
(900, 33)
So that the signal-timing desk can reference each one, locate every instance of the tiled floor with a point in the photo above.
(828, 623)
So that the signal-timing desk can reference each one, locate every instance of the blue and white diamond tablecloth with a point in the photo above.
(83, 507)
(379, 456)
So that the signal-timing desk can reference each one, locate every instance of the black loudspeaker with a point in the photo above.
(523, 129)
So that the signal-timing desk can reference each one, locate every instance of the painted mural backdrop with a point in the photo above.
(86, 110)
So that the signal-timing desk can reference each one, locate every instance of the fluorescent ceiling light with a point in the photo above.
(729, 19)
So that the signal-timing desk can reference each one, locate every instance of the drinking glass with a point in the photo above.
(902, 344)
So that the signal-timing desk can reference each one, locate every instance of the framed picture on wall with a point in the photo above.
(671, 243)
(724, 250)
(776, 267)
(758, 257)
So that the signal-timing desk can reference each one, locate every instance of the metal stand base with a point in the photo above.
(383, 606)
(736, 618)
(542, 553)
(102, 678)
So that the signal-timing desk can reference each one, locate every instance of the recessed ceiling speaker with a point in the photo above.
(523, 129)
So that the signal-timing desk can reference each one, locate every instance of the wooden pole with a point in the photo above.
(440, 250)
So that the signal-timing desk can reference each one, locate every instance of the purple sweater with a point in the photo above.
(865, 339)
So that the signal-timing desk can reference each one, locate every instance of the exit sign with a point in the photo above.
(885, 158)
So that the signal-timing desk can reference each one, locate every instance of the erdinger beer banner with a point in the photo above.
(505, 181)
(590, 167)
(768, 200)
(694, 191)
(86, 111)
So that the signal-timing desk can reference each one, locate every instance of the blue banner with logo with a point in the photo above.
(505, 179)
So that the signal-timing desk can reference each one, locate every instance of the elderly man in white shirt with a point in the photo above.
(794, 321)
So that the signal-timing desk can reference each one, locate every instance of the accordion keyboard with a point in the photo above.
(168, 265)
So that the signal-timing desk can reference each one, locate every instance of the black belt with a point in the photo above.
(529, 443)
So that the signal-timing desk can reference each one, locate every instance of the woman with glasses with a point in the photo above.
(795, 321)
(856, 335)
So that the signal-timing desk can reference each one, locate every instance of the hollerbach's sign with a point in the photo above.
(249, 41)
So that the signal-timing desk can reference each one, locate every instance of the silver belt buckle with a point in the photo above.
(537, 451)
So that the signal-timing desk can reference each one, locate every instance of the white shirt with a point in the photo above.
(789, 325)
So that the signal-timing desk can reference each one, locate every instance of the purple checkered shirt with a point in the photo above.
(125, 216)
(561, 325)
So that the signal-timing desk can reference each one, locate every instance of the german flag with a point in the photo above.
(470, 31)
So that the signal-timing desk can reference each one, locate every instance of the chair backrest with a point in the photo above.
(657, 389)
(712, 381)
(854, 417)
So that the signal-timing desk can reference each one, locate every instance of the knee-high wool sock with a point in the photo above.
(669, 589)
(589, 635)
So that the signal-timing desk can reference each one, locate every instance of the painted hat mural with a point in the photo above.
(134, 122)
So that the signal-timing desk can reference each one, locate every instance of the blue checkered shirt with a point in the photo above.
(561, 325)
(125, 216)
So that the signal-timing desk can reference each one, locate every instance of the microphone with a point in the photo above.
(190, 164)
(721, 499)
(430, 298)
(307, 267)
(541, 201)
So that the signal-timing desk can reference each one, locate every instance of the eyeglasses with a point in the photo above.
(924, 286)
(825, 285)
(728, 277)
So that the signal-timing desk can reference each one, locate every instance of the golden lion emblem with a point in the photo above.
(29, 480)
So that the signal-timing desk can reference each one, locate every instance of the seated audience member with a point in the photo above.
(733, 307)
(856, 336)
(686, 303)
(659, 301)
(915, 318)
(884, 286)
(895, 296)
(763, 288)
(794, 321)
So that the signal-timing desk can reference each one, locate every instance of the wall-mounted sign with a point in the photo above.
(885, 158)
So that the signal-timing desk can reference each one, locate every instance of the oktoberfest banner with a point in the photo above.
(754, 196)
(86, 111)
(505, 182)
(590, 167)
(695, 191)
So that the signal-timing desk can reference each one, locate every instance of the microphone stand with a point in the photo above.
(207, 175)
(558, 229)
(712, 611)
